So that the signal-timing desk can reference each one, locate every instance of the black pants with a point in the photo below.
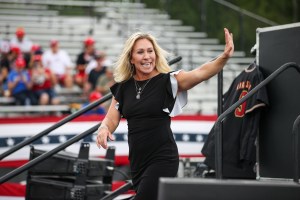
(148, 185)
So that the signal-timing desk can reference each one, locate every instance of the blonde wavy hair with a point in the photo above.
(123, 68)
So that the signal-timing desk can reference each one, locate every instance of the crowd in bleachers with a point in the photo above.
(32, 75)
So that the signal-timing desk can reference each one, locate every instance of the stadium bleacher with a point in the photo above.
(110, 25)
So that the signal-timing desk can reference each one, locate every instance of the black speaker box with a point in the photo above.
(276, 46)
(226, 189)
(68, 164)
(50, 188)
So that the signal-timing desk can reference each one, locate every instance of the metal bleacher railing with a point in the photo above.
(110, 22)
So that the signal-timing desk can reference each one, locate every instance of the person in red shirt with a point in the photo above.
(42, 83)
(36, 49)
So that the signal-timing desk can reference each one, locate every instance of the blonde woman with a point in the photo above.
(148, 94)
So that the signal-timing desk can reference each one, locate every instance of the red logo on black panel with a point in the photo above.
(240, 110)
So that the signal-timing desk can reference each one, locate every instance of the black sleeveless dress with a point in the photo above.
(152, 149)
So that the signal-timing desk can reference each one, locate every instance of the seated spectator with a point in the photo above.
(93, 96)
(9, 54)
(59, 62)
(83, 59)
(93, 63)
(23, 42)
(99, 110)
(36, 49)
(4, 67)
(4, 46)
(95, 73)
(14, 53)
(42, 83)
(104, 83)
(20, 85)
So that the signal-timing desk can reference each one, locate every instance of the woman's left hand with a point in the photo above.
(229, 46)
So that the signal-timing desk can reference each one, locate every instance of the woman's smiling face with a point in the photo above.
(143, 57)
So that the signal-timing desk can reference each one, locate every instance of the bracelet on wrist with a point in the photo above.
(102, 126)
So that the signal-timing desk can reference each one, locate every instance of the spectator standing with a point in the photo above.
(42, 83)
(20, 85)
(59, 62)
(83, 59)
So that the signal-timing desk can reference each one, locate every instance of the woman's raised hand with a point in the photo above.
(229, 46)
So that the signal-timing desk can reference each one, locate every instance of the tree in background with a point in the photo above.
(210, 16)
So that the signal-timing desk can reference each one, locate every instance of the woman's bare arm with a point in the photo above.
(108, 125)
(187, 80)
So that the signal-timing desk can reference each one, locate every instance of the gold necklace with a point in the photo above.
(139, 89)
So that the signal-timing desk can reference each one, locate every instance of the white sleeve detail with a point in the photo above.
(181, 99)
(117, 106)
